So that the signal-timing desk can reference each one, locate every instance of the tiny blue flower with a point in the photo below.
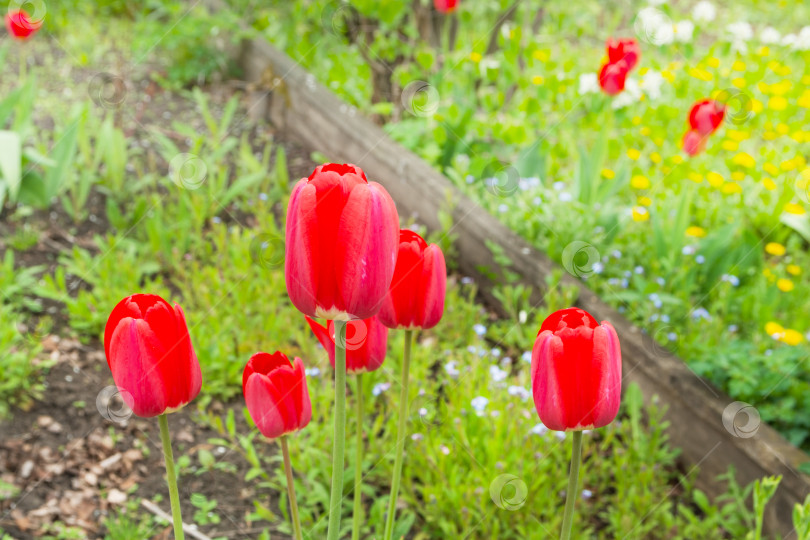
(262, 196)
(526, 357)
(638, 269)
(700, 259)
(479, 329)
(479, 404)
(559, 186)
(672, 336)
(497, 373)
(566, 197)
(587, 494)
(598, 267)
(216, 219)
(688, 250)
(539, 429)
(312, 372)
(379, 388)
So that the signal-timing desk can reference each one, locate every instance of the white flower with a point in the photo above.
(789, 40)
(704, 12)
(803, 39)
(588, 83)
(770, 35)
(739, 33)
(540, 429)
(655, 26)
(684, 30)
(519, 391)
(651, 84)
(451, 370)
(631, 94)
(497, 373)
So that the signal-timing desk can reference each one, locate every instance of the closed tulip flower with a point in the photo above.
(576, 371)
(416, 295)
(276, 394)
(612, 77)
(624, 49)
(149, 352)
(706, 116)
(341, 243)
(366, 342)
(20, 25)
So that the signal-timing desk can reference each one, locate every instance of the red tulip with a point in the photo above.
(341, 243)
(150, 355)
(576, 371)
(706, 116)
(276, 394)
(20, 25)
(612, 77)
(693, 142)
(366, 343)
(624, 49)
(416, 297)
(445, 6)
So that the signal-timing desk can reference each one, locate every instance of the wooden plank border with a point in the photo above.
(294, 101)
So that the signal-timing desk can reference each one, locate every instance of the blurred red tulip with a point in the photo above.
(20, 25)
(276, 394)
(693, 142)
(623, 49)
(576, 371)
(416, 297)
(706, 116)
(341, 243)
(612, 77)
(366, 343)
(445, 6)
(150, 355)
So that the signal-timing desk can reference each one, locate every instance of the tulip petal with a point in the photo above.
(262, 403)
(134, 367)
(302, 257)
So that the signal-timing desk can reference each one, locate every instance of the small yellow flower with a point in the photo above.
(713, 61)
(784, 285)
(644, 201)
(739, 82)
(787, 165)
(640, 213)
(763, 87)
(729, 188)
(756, 106)
(774, 329)
(793, 208)
(730, 146)
(537, 80)
(806, 80)
(640, 182)
(677, 159)
(777, 103)
(633, 154)
(609, 174)
(798, 136)
(775, 248)
(645, 131)
(769, 275)
(541, 55)
(636, 120)
(793, 269)
(697, 177)
(737, 135)
(655, 157)
(744, 159)
(769, 184)
(738, 176)
(701, 74)
(764, 51)
(668, 75)
(643, 71)
(804, 99)
(782, 128)
(792, 337)
(770, 135)
(738, 65)
(771, 169)
(475, 57)
(715, 179)
(781, 88)
(695, 231)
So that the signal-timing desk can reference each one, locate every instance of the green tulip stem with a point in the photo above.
(573, 480)
(357, 515)
(339, 442)
(296, 522)
(402, 429)
(171, 477)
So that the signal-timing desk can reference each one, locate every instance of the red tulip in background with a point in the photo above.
(341, 243)
(416, 296)
(623, 55)
(366, 343)
(576, 371)
(693, 142)
(445, 6)
(706, 116)
(612, 77)
(276, 394)
(623, 49)
(20, 25)
(149, 352)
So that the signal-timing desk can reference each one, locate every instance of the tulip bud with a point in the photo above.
(576, 371)
(706, 116)
(150, 355)
(20, 25)
(612, 77)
